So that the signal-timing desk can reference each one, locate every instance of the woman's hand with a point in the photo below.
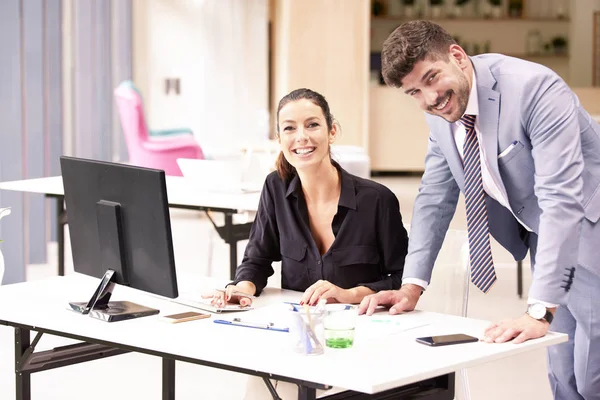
(232, 294)
(324, 290)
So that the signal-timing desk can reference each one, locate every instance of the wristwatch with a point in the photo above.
(540, 312)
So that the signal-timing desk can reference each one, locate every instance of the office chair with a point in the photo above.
(1, 267)
(160, 151)
(3, 213)
(353, 159)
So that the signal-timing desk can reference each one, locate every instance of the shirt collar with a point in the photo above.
(473, 104)
(293, 186)
(347, 195)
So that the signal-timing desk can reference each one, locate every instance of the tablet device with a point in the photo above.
(204, 304)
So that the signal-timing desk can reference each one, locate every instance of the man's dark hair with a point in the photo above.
(411, 42)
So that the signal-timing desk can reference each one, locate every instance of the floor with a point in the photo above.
(198, 251)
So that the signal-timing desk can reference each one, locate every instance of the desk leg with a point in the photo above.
(168, 381)
(61, 219)
(23, 379)
(520, 279)
(306, 393)
(232, 245)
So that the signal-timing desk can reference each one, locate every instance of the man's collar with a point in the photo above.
(473, 105)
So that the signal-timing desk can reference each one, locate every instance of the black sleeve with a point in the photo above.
(263, 245)
(392, 241)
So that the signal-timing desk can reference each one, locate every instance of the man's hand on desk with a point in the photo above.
(233, 294)
(520, 329)
(404, 299)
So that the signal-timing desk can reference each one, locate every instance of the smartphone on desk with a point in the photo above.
(445, 340)
(184, 316)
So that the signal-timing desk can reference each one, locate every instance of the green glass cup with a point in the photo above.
(339, 323)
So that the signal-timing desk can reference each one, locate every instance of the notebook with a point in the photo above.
(221, 176)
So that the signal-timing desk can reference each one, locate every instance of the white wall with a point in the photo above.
(581, 41)
(219, 51)
(324, 46)
(67, 71)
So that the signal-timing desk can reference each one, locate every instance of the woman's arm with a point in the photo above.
(262, 248)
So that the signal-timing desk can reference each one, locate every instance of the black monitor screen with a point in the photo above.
(145, 259)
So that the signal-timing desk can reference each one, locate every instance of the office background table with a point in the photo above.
(181, 194)
(373, 365)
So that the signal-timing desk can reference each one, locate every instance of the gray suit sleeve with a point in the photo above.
(550, 118)
(433, 210)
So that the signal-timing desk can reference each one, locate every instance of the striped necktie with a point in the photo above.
(483, 274)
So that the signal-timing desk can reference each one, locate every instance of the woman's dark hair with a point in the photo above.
(411, 42)
(285, 170)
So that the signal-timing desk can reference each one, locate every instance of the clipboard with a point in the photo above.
(249, 324)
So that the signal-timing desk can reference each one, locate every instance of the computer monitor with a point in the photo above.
(120, 231)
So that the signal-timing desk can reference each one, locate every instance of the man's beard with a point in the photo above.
(461, 96)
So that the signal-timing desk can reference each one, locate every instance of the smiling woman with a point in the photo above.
(339, 237)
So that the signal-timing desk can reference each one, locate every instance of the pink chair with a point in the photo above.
(161, 151)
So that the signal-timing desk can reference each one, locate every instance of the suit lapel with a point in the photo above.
(489, 109)
(489, 114)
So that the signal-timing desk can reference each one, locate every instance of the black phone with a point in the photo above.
(445, 340)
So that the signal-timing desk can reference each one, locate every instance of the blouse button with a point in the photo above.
(318, 262)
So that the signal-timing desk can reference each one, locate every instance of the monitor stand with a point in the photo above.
(110, 234)
(99, 306)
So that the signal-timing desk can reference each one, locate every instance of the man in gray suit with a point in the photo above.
(511, 136)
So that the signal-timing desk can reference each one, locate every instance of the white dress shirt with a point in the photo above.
(493, 187)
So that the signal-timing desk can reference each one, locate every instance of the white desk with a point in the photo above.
(181, 194)
(373, 365)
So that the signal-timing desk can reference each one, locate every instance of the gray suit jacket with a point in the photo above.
(551, 176)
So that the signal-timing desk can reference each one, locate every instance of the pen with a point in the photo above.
(237, 322)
